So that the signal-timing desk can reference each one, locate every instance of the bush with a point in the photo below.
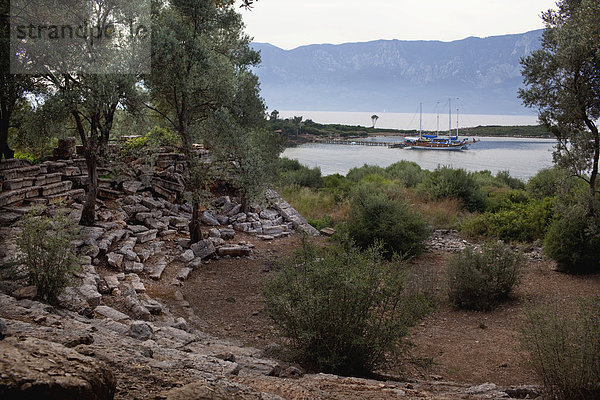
(407, 172)
(291, 172)
(573, 239)
(565, 351)
(446, 182)
(46, 244)
(481, 280)
(154, 139)
(521, 222)
(344, 311)
(376, 217)
(547, 182)
(357, 174)
(325, 221)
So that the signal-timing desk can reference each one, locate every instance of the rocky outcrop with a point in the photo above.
(32, 368)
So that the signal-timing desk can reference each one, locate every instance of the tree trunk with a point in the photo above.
(594, 172)
(88, 214)
(195, 223)
(4, 149)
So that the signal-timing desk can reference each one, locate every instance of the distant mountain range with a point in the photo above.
(395, 75)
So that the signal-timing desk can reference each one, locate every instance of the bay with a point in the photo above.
(411, 120)
(522, 157)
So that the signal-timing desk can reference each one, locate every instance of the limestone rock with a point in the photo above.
(115, 260)
(61, 373)
(234, 251)
(27, 292)
(215, 390)
(209, 218)
(140, 330)
(204, 248)
(187, 256)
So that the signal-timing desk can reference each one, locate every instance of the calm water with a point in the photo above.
(523, 158)
(411, 120)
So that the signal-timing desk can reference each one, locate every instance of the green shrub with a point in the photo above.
(446, 182)
(504, 178)
(344, 311)
(376, 217)
(547, 182)
(521, 222)
(338, 186)
(320, 223)
(481, 280)
(564, 349)
(48, 255)
(358, 173)
(291, 172)
(573, 239)
(407, 172)
(154, 139)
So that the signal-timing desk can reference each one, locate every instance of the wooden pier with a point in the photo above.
(361, 143)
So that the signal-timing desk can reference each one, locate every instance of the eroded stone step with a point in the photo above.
(22, 172)
(13, 163)
(56, 188)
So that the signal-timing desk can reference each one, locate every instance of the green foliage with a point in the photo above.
(343, 310)
(376, 217)
(573, 239)
(507, 180)
(358, 173)
(511, 215)
(320, 223)
(481, 280)
(407, 172)
(46, 244)
(294, 173)
(564, 349)
(519, 221)
(561, 79)
(547, 182)
(446, 182)
(154, 139)
(338, 185)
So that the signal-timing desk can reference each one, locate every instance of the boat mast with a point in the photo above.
(457, 123)
(420, 120)
(449, 117)
(438, 118)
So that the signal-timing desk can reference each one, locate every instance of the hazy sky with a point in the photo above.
(292, 23)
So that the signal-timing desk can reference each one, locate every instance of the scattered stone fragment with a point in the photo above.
(227, 233)
(27, 292)
(147, 236)
(234, 251)
(187, 256)
(158, 269)
(91, 295)
(209, 218)
(183, 273)
(140, 330)
(327, 231)
(115, 260)
(109, 312)
(204, 248)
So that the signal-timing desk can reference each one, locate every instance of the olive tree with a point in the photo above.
(562, 80)
(202, 86)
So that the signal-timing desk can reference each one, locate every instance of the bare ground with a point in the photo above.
(465, 347)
